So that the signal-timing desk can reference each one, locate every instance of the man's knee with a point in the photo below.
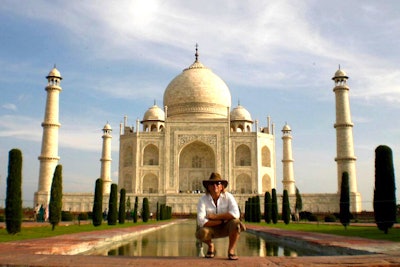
(235, 225)
(202, 233)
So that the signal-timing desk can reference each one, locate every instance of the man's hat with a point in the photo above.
(215, 177)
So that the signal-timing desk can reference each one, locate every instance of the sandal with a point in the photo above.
(232, 257)
(210, 254)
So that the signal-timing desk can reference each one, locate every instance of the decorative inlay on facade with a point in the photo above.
(184, 139)
(196, 108)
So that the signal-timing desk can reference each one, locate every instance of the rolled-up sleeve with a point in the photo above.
(201, 212)
(233, 206)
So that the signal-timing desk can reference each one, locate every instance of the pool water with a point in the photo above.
(179, 240)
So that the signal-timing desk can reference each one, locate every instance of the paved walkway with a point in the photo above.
(60, 250)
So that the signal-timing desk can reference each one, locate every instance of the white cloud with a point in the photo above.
(20, 127)
(9, 106)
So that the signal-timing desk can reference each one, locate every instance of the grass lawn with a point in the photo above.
(371, 232)
(45, 230)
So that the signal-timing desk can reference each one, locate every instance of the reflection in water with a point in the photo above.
(179, 240)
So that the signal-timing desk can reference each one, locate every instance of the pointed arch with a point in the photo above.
(243, 156)
(196, 162)
(243, 184)
(266, 183)
(150, 184)
(150, 155)
(266, 157)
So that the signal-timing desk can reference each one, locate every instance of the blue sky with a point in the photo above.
(277, 57)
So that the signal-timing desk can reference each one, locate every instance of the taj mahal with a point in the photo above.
(166, 155)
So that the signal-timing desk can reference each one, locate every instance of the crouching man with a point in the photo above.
(218, 216)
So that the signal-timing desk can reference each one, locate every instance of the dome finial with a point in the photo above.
(155, 102)
(197, 53)
(339, 66)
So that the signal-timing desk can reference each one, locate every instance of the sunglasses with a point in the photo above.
(215, 183)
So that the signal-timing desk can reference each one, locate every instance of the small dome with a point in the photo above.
(107, 127)
(286, 128)
(239, 113)
(154, 113)
(340, 74)
(54, 73)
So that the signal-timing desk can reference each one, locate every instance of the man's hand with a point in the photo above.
(212, 216)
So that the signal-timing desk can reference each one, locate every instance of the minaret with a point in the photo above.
(344, 131)
(287, 161)
(345, 159)
(49, 154)
(105, 172)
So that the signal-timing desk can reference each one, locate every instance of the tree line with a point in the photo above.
(384, 202)
(117, 211)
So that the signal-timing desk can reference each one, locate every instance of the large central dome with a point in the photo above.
(197, 92)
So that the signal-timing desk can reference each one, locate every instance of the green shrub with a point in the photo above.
(97, 211)
(285, 207)
(66, 216)
(330, 218)
(122, 206)
(385, 189)
(313, 218)
(13, 209)
(112, 215)
(55, 204)
(83, 216)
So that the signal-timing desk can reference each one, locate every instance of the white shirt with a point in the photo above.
(225, 203)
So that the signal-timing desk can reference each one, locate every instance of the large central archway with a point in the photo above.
(196, 162)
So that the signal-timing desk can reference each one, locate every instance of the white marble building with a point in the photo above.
(167, 154)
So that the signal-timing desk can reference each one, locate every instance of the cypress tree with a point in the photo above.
(55, 205)
(135, 210)
(274, 207)
(121, 211)
(267, 207)
(128, 207)
(298, 205)
(145, 210)
(285, 207)
(246, 211)
(13, 210)
(112, 206)
(258, 209)
(345, 200)
(98, 203)
(250, 209)
(385, 187)
(158, 212)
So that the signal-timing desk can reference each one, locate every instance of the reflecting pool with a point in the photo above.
(179, 240)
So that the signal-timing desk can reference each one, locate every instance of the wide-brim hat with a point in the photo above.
(215, 177)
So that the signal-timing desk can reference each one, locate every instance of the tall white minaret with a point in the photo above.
(49, 154)
(346, 161)
(287, 161)
(105, 172)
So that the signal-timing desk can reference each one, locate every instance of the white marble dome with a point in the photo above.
(340, 74)
(197, 92)
(54, 73)
(239, 113)
(154, 113)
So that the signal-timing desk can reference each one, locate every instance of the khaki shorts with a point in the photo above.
(223, 230)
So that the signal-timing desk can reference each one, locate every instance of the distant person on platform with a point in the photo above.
(218, 216)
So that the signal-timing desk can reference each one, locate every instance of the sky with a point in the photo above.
(277, 57)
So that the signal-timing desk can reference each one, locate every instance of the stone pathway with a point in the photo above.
(56, 251)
